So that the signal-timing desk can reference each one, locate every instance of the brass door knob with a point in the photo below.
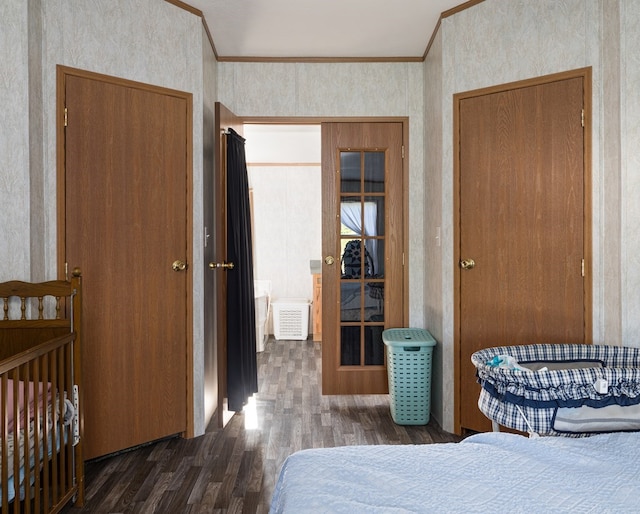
(179, 265)
(223, 265)
(329, 260)
(467, 264)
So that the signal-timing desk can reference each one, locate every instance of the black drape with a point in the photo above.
(242, 374)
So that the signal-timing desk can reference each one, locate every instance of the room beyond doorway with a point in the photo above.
(284, 167)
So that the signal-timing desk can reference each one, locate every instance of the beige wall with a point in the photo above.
(147, 41)
(288, 227)
(628, 212)
(493, 42)
(285, 179)
(15, 195)
(500, 41)
(343, 89)
(434, 237)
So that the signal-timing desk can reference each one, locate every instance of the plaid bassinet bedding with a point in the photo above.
(530, 401)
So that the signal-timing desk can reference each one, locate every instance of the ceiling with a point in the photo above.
(322, 29)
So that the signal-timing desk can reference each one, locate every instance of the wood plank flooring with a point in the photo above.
(235, 469)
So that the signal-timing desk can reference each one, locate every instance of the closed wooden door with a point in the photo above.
(362, 244)
(126, 224)
(521, 225)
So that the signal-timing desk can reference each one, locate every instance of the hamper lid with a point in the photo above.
(402, 336)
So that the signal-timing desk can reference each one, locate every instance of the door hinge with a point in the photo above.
(582, 118)
(403, 151)
(66, 116)
(582, 269)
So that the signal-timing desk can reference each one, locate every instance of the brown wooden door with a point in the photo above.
(224, 120)
(126, 221)
(362, 201)
(521, 207)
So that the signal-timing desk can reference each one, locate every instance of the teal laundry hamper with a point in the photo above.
(409, 357)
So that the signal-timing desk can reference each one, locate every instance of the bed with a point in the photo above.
(41, 461)
(489, 472)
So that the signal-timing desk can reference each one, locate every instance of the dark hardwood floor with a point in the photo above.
(235, 469)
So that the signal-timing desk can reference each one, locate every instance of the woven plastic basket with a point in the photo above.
(409, 357)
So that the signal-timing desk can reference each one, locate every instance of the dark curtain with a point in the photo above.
(242, 375)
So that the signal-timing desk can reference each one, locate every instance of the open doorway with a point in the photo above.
(284, 168)
(285, 205)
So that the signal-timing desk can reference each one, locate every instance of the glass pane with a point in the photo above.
(362, 231)
(350, 298)
(350, 172)
(373, 346)
(374, 172)
(374, 301)
(375, 258)
(374, 215)
(350, 216)
(354, 261)
(350, 346)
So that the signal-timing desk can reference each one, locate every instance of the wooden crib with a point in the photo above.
(41, 422)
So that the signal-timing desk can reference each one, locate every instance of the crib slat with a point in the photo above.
(60, 468)
(68, 440)
(16, 428)
(4, 472)
(25, 463)
(55, 478)
(45, 420)
(40, 403)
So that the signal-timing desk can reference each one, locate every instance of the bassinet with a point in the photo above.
(571, 389)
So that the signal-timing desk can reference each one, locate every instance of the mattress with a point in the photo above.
(490, 472)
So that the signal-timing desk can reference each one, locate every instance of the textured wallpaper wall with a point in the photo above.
(288, 227)
(630, 170)
(148, 41)
(342, 90)
(14, 141)
(435, 109)
(493, 42)
(499, 41)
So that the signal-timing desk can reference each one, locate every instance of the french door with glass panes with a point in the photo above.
(362, 242)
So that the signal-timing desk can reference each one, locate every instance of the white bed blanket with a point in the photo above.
(488, 473)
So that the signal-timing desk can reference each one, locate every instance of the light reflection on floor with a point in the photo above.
(250, 414)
